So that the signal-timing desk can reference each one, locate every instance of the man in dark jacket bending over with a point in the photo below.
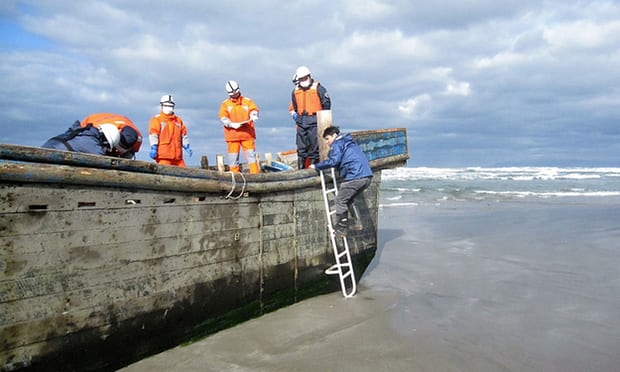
(352, 165)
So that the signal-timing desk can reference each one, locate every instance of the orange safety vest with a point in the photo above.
(119, 121)
(307, 100)
(168, 132)
(238, 110)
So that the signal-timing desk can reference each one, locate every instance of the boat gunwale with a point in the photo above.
(53, 156)
(41, 165)
(18, 171)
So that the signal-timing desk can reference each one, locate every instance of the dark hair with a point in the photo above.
(331, 130)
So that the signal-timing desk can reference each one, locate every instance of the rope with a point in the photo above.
(234, 184)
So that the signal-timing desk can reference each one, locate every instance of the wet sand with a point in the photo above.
(462, 287)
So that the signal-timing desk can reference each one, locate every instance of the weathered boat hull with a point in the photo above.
(103, 264)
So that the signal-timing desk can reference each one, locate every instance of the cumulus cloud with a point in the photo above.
(462, 77)
(416, 108)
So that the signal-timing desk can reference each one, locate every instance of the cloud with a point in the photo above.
(458, 89)
(523, 80)
(368, 10)
(416, 108)
(583, 34)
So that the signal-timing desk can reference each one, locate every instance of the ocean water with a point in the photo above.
(424, 186)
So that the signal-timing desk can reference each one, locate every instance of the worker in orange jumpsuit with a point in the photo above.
(168, 135)
(238, 114)
(130, 136)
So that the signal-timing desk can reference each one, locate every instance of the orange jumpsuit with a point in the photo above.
(239, 110)
(120, 122)
(169, 133)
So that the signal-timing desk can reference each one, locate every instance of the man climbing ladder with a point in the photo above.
(353, 167)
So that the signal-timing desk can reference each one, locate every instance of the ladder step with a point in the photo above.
(343, 253)
(332, 270)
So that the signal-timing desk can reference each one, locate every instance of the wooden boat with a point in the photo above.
(105, 261)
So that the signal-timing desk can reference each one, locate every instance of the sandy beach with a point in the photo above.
(518, 286)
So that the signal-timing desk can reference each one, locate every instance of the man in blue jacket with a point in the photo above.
(352, 165)
(89, 139)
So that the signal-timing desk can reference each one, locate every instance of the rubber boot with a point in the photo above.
(254, 168)
(301, 163)
(340, 230)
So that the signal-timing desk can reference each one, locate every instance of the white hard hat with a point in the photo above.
(232, 87)
(110, 131)
(302, 71)
(167, 99)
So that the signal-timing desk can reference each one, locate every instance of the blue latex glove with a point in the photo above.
(153, 152)
(294, 115)
(189, 150)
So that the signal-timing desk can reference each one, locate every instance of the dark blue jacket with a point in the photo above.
(348, 157)
(78, 139)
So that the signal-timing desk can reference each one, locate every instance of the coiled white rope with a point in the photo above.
(234, 185)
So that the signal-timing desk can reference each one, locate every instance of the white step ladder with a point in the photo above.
(343, 266)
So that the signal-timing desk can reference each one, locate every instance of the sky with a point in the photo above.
(475, 82)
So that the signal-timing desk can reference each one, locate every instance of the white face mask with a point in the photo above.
(167, 109)
(305, 83)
